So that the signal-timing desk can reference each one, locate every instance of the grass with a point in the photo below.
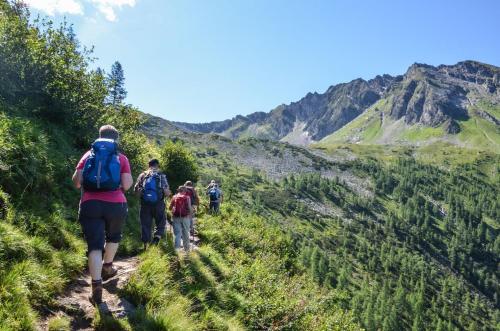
(33, 271)
(480, 133)
(372, 130)
(490, 108)
(419, 133)
(237, 280)
(59, 323)
(364, 128)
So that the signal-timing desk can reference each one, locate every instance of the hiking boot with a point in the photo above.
(108, 271)
(156, 240)
(96, 296)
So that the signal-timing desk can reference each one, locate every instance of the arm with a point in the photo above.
(221, 197)
(78, 175)
(138, 184)
(126, 174)
(127, 181)
(77, 178)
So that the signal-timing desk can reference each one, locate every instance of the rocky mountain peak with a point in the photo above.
(435, 95)
(425, 94)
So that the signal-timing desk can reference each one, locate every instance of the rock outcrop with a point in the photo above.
(426, 95)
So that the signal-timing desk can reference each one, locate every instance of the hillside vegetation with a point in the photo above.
(51, 105)
(420, 251)
(337, 237)
(376, 127)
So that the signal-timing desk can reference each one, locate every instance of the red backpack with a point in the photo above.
(181, 205)
(192, 195)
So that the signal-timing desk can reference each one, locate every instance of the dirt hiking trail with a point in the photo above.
(74, 302)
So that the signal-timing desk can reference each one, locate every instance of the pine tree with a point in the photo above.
(116, 85)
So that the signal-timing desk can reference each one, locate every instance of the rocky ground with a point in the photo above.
(74, 303)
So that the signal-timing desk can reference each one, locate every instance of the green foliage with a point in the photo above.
(178, 164)
(46, 74)
(418, 252)
(154, 287)
(241, 277)
(50, 108)
(59, 323)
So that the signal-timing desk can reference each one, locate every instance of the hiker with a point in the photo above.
(104, 175)
(216, 197)
(195, 202)
(152, 185)
(209, 186)
(180, 205)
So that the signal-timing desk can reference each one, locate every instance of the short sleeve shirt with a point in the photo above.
(163, 180)
(109, 196)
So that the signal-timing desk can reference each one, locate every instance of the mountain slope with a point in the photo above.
(51, 107)
(426, 102)
(311, 118)
(458, 104)
(411, 239)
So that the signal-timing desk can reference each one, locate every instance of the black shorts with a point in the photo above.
(102, 222)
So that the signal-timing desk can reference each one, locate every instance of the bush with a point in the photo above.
(178, 164)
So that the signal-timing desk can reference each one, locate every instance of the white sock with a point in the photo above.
(109, 252)
(95, 264)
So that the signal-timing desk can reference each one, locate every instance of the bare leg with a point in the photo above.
(95, 264)
(110, 251)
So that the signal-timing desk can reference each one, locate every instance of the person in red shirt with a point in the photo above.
(181, 208)
(102, 215)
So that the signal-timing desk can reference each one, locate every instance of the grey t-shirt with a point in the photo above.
(139, 184)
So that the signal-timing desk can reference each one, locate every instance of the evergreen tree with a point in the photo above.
(116, 85)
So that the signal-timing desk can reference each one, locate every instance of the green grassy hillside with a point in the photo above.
(243, 276)
(376, 127)
(51, 105)
(339, 238)
(390, 226)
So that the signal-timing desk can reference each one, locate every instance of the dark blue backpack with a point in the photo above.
(152, 191)
(214, 194)
(101, 171)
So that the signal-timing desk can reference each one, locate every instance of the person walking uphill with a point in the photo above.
(152, 185)
(195, 202)
(216, 197)
(181, 211)
(104, 175)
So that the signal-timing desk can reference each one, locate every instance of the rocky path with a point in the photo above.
(74, 303)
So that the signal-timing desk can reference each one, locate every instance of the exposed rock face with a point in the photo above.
(451, 126)
(344, 102)
(425, 94)
(322, 113)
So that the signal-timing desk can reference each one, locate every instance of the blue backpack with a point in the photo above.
(101, 171)
(214, 194)
(152, 191)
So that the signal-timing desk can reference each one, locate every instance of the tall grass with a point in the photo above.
(240, 278)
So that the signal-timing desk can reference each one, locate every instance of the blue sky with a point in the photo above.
(198, 61)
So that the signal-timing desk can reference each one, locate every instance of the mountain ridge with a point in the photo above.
(425, 95)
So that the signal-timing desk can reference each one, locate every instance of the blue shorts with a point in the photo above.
(102, 222)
